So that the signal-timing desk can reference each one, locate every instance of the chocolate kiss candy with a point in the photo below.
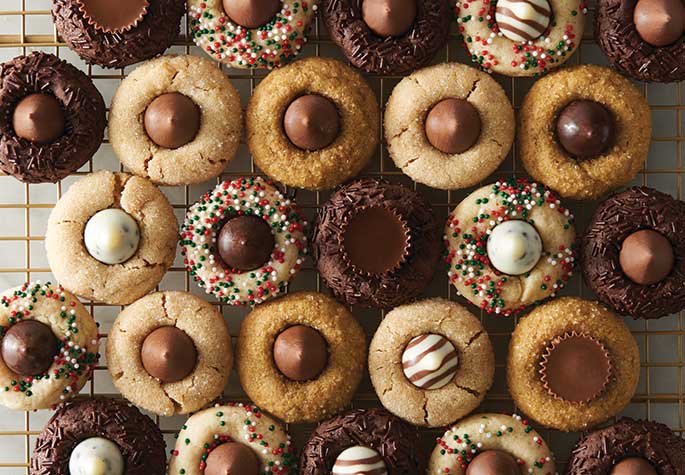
(453, 126)
(311, 122)
(38, 118)
(300, 353)
(172, 120)
(633, 466)
(389, 17)
(251, 13)
(232, 458)
(659, 22)
(646, 257)
(168, 354)
(493, 462)
(245, 243)
(29, 348)
(585, 129)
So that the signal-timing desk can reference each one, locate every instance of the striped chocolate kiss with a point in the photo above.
(523, 20)
(359, 460)
(430, 361)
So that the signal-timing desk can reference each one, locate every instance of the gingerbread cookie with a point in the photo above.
(244, 35)
(521, 38)
(114, 35)
(509, 245)
(46, 130)
(48, 346)
(176, 120)
(388, 36)
(491, 443)
(312, 124)
(169, 353)
(584, 131)
(431, 362)
(111, 237)
(233, 438)
(100, 435)
(449, 126)
(244, 241)
(294, 356)
(572, 364)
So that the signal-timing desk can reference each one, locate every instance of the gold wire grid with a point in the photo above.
(661, 393)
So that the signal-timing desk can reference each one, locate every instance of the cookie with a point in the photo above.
(111, 237)
(633, 255)
(249, 35)
(97, 436)
(169, 353)
(215, 441)
(375, 243)
(243, 241)
(431, 362)
(509, 245)
(644, 39)
(491, 443)
(572, 364)
(295, 358)
(52, 118)
(48, 346)
(629, 446)
(176, 120)
(448, 126)
(386, 37)
(132, 31)
(370, 440)
(528, 38)
(584, 131)
(312, 124)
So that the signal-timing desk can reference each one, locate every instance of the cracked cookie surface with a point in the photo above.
(216, 142)
(196, 318)
(473, 373)
(82, 274)
(405, 119)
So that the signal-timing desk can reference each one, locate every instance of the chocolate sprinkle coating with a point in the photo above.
(396, 441)
(393, 54)
(618, 217)
(599, 451)
(84, 111)
(616, 34)
(156, 31)
(380, 290)
(138, 438)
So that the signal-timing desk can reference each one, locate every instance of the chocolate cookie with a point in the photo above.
(634, 254)
(583, 131)
(388, 36)
(644, 39)
(448, 126)
(312, 124)
(191, 120)
(48, 346)
(367, 440)
(52, 118)
(629, 447)
(572, 364)
(375, 243)
(294, 357)
(90, 435)
(431, 362)
(114, 36)
(169, 353)
(243, 241)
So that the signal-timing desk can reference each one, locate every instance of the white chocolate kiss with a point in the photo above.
(111, 236)
(359, 460)
(523, 20)
(96, 456)
(514, 247)
(430, 361)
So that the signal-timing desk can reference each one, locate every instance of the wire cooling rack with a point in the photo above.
(26, 25)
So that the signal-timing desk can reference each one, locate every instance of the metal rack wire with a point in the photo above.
(25, 25)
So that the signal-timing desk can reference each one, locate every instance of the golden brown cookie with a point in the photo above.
(584, 131)
(313, 340)
(449, 126)
(431, 362)
(111, 237)
(332, 146)
(176, 120)
(169, 353)
(572, 364)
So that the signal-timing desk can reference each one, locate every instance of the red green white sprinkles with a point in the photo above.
(251, 196)
(268, 46)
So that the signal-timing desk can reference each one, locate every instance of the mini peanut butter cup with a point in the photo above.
(127, 14)
(575, 367)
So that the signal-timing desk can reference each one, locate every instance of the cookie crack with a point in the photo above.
(409, 162)
(469, 390)
(424, 407)
(473, 88)
(474, 338)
